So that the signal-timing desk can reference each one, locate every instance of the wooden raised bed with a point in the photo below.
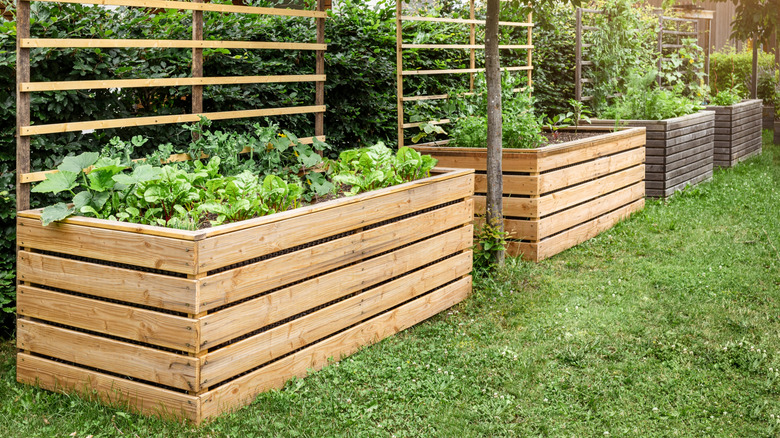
(558, 196)
(193, 324)
(768, 117)
(737, 132)
(679, 151)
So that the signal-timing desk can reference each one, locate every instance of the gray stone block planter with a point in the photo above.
(679, 151)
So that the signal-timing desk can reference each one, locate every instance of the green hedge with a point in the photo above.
(728, 61)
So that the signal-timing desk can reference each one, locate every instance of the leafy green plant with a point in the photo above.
(428, 129)
(521, 127)
(555, 123)
(375, 167)
(579, 113)
(644, 101)
(489, 239)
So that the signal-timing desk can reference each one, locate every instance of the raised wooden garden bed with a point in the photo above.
(193, 324)
(558, 196)
(679, 151)
(737, 132)
(768, 117)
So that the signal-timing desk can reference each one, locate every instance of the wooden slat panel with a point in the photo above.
(690, 120)
(583, 192)
(461, 71)
(472, 158)
(148, 289)
(229, 286)
(671, 150)
(175, 370)
(518, 229)
(589, 210)
(569, 176)
(685, 166)
(703, 146)
(236, 358)
(253, 279)
(586, 231)
(113, 319)
(125, 247)
(163, 120)
(598, 150)
(139, 397)
(705, 173)
(243, 318)
(513, 207)
(188, 6)
(165, 82)
(512, 185)
(62, 43)
(245, 388)
(649, 125)
(462, 20)
(329, 219)
(699, 153)
(526, 250)
(681, 135)
(463, 46)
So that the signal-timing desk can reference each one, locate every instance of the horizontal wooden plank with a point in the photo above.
(574, 195)
(242, 390)
(472, 158)
(212, 7)
(112, 319)
(430, 122)
(512, 207)
(522, 229)
(328, 219)
(579, 173)
(464, 46)
(165, 82)
(591, 209)
(703, 147)
(704, 175)
(673, 145)
(512, 184)
(125, 247)
(461, 71)
(250, 280)
(599, 149)
(65, 43)
(145, 288)
(463, 21)
(294, 299)
(164, 120)
(123, 393)
(693, 173)
(249, 353)
(175, 370)
(251, 315)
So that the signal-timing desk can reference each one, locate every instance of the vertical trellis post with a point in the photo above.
(578, 56)
(530, 42)
(660, 43)
(197, 60)
(22, 104)
(472, 41)
(319, 86)
(399, 62)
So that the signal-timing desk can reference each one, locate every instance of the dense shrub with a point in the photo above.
(728, 61)
(554, 60)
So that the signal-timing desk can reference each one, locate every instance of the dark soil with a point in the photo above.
(564, 136)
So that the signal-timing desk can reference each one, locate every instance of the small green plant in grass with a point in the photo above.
(489, 239)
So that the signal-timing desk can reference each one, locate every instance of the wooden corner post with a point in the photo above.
(319, 86)
(399, 77)
(197, 60)
(22, 104)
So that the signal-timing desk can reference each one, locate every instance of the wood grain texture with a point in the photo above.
(166, 82)
(565, 198)
(125, 247)
(175, 370)
(213, 7)
(275, 272)
(246, 354)
(63, 43)
(145, 288)
(113, 319)
(245, 388)
(598, 168)
(138, 397)
(165, 120)
(327, 219)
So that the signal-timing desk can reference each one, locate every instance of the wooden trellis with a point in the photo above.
(673, 27)
(25, 130)
(472, 22)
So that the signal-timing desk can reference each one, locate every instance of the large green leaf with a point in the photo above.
(56, 212)
(140, 174)
(57, 182)
(79, 162)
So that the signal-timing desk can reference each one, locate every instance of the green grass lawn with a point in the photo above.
(668, 325)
